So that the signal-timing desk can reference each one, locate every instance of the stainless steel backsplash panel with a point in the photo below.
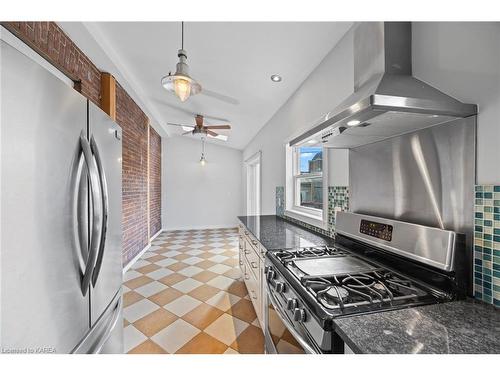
(426, 177)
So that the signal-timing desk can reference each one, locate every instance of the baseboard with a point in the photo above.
(156, 235)
(136, 258)
(224, 226)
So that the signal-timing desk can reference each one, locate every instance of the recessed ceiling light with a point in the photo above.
(353, 123)
(276, 78)
(311, 141)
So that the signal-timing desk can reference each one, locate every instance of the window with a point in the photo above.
(306, 184)
(308, 177)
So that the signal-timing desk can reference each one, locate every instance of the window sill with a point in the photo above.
(316, 220)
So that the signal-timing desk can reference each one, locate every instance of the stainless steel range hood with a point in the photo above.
(387, 100)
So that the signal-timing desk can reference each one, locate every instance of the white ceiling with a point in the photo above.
(232, 59)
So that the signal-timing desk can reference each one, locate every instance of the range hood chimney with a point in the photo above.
(387, 100)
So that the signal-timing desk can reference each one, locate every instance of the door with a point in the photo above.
(105, 141)
(253, 184)
(43, 308)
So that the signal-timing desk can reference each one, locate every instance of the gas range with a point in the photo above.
(342, 283)
(308, 288)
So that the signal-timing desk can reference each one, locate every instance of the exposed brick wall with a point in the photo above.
(134, 124)
(154, 181)
(54, 45)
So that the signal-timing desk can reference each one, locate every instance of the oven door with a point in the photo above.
(281, 335)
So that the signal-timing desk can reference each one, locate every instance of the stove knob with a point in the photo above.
(280, 287)
(291, 303)
(299, 315)
(271, 274)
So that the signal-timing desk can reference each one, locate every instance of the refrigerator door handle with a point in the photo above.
(96, 214)
(99, 333)
(110, 327)
(80, 230)
(105, 207)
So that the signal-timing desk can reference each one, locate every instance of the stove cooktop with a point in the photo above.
(342, 283)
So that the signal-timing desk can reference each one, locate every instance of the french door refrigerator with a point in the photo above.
(61, 235)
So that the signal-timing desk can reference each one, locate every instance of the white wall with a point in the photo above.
(461, 59)
(330, 83)
(338, 167)
(196, 196)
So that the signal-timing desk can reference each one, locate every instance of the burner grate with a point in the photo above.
(307, 252)
(363, 289)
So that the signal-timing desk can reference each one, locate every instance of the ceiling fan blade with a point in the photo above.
(218, 127)
(221, 97)
(183, 125)
(186, 133)
(213, 134)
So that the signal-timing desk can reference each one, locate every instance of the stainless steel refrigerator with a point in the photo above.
(61, 235)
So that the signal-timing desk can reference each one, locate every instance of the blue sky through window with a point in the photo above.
(306, 154)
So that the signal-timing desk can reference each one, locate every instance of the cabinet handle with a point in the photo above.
(241, 263)
(247, 252)
(254, 265)
(254, 242)
(246, 232)
(246, 276)
(254, 296)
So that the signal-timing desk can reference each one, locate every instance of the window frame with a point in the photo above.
(310, 215)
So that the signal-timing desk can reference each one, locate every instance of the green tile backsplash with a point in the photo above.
(487, 244)
(338, 199)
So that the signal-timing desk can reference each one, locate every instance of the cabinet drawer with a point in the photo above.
(253, 288)
(253, 260)
(253, 242)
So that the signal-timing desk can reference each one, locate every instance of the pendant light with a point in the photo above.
(203, 161)
(181, 84)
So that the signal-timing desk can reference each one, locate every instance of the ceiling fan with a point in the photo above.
(200, 129)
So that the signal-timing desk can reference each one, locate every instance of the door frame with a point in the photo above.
(252, 161)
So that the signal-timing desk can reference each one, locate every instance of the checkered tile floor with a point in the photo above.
(186, 295)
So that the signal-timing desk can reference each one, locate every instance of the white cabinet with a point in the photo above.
(251, 254)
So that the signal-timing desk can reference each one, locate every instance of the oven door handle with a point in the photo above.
(305, 345)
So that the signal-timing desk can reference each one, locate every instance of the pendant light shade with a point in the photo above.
(180, 83)
(182, 89)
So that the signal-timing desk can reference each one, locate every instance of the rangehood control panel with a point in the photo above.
(377, 230)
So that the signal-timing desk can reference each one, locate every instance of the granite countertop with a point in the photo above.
(273, 232)
(459, 327)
